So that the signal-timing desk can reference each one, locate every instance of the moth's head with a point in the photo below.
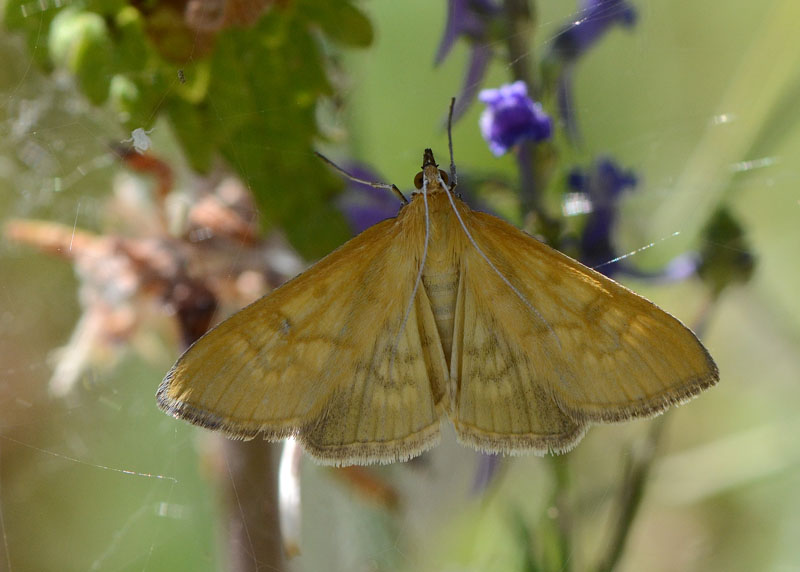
(431, 179)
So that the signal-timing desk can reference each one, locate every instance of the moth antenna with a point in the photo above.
(419, 276)
(373, 184)
(453, 175)
(519, 294)
(453, 183)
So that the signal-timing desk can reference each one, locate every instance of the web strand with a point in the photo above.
(638, 250)
(88, 464)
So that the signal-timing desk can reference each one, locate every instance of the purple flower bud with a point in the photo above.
(488, 466)
(470, 19)
(604, 185)
(362, 205)
(511, 117)
(593, 20)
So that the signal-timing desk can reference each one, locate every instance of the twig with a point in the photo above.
(251, 505)
(521, 23)
(251, 509)
(631, 494)
(637, 473)
(560, 466)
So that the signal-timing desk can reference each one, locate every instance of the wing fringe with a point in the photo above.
(504, 444)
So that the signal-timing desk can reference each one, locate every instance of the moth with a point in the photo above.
(440, 312)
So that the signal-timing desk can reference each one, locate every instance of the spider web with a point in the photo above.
(101, 480)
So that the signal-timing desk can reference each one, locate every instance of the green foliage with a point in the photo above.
(343, 23)
(79, 41)
(263, 120)
(726, 256)
(249, 93)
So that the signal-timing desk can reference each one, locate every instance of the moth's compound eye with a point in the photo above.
(418, 180)
(445, 177)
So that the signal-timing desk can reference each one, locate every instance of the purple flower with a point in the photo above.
(604, 186)
(594, 19)
(470, 19)
(362, 205)
(488, 466)
(512, 117)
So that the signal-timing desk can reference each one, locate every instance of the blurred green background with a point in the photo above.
(699, 99)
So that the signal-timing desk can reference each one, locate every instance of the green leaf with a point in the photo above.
(198, 136)
(262, 103)
(341, 21)
(105, 7)
(248, 95)
(80, 42)
(133, 50)
(34, 23)
(726, 257)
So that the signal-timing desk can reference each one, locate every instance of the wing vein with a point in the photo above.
(500, 274)
(416, 282)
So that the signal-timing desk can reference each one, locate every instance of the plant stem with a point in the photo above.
(631, 494)
(520, 24)
(249, 483)
(560, 500)
(251, 506)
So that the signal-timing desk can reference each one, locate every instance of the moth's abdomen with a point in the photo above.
(442, 289)
(441, 273)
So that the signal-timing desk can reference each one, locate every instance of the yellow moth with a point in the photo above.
(440, 312)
